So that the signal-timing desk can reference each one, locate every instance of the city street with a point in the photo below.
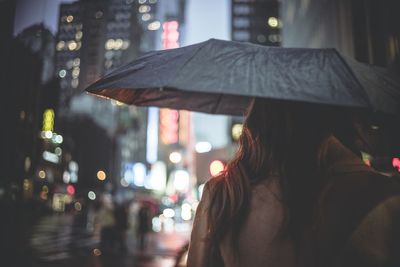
(58, 241)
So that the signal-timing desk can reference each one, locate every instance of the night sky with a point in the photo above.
(29, 12)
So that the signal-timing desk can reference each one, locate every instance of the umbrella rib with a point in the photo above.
(191, 57)
(354, 76)
(217, 104)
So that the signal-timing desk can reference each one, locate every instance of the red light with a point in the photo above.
(396, 163)
(216, 167)
(172, 25)
(170, 35)
(174, 198)
(70, 189)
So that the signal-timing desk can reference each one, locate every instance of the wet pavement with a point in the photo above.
(58, 241)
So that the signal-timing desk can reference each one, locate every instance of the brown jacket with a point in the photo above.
(358, 223)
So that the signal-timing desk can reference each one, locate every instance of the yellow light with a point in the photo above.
(48, 120)
(45, 188)
(118, 44)
(27, 184)
(60, 45)
(273, 22)
(110, 44)
(75, 72)
(72, 45)
(216, 167)
(237, 131)
(70, 18)
(42, 174)
(101, 175)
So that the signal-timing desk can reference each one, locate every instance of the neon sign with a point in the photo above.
(48, 120)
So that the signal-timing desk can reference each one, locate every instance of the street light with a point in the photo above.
(101, 175)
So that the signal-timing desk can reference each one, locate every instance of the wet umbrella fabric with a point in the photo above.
(220, 77)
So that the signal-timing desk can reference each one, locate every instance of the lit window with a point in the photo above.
(98, 14)
(261, 38)
(241, 35)
(42, 174)
(60, 45)
(74, 83)
(273, 22)
(72, 45)
(144, 8)
(75, 73)
(76, 62)
(274, 38)
(69, 64)
(118, 44)
(152, 1)
(70, 18)
(155, 25)
(78, 35)
(146, 17)
(125, 44)
(241, 22)
(109, 54)
(241, 9)
(110, 44)
(62, 73)
(142, 1)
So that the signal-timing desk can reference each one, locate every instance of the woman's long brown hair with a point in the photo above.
(279, 138)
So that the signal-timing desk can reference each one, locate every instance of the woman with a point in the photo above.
(295, 195)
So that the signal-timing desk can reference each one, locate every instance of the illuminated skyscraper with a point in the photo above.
(256, 21)
(68, 47)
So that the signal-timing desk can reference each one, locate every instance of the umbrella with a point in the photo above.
(221, 77)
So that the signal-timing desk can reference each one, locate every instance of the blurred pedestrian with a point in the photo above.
(296, 195)
(144, 225)
(106, 220)
(121, 226)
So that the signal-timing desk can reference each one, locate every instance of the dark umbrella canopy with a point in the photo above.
(220, 77)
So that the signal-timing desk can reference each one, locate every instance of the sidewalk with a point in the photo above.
(161, 251)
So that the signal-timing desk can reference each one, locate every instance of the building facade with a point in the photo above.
(256, 21)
